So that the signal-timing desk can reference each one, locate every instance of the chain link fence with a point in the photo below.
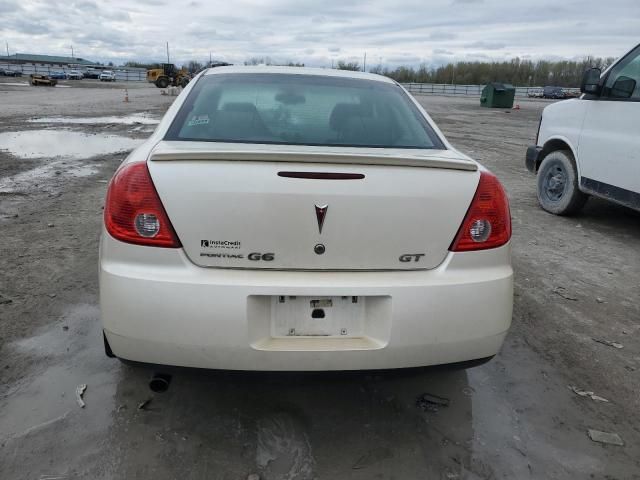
(473, 90)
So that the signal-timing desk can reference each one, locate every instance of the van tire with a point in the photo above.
(558, 190)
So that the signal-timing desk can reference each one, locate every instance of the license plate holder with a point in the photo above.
(321, 316)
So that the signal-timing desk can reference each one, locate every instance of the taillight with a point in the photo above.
(488, 221)
(134, 213)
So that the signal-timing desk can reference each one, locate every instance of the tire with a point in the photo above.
(162, 82)
(184, 82)
(558, 190)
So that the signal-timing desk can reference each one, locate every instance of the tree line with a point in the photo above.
(518, 72)
(563, 73)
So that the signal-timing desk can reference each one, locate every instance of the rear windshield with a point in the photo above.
(298, 109)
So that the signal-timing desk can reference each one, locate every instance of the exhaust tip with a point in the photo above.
(159, 382)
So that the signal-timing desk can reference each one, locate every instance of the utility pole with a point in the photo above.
(364, 63)
(7, 44)
(210, 60)
(168, 61)
(71, 51)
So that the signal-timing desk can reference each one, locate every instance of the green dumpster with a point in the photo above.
(498, 95)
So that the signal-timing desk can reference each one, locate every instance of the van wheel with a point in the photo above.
(558, 190)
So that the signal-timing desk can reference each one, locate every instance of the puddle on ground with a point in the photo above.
(136, 118)
(143, 129)
(46, 398)
(38, 174)
(63, 143)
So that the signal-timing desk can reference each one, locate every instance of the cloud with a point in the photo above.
(9, 7)
(389, 31)
(403, 60)
(486, 45)
(441, 36)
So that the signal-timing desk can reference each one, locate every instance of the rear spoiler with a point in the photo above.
(209, 151)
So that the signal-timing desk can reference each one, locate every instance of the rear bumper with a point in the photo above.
(531, 160)
(157, 307)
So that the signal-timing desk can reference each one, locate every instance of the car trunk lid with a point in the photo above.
(313, 208)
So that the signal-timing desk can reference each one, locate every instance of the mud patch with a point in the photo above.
(134, 119)
(63, 143)
(47, 397)
(283, 449)
(24, 179)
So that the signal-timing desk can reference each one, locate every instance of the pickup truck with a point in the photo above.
(107, 76)
(591, 145)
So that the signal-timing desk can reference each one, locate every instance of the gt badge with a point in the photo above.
(408, 257)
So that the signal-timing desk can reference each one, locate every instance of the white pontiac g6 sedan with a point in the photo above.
(303, 219)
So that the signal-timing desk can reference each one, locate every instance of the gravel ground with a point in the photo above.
(576, 279)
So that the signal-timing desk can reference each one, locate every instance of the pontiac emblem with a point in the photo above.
(321, 213)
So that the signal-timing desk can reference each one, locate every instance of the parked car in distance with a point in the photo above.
(58, 75)
(571, 92)
(535, 93)
(285, 218)
(75, 75)
(556, 93)
(91, 73)
(591, 145)
(107, 76)
(10, 73)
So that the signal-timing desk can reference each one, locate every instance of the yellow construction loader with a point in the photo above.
(168, 75)
(42, 80)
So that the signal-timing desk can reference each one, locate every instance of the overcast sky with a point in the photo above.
(316, 32)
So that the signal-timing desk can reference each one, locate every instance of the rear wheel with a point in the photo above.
(162, 82)
(558, 190)
(184, 82)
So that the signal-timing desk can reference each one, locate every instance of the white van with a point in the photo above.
(591, 145)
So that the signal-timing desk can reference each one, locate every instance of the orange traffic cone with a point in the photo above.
(517, 107)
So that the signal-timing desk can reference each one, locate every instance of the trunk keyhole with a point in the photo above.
(317, 313)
